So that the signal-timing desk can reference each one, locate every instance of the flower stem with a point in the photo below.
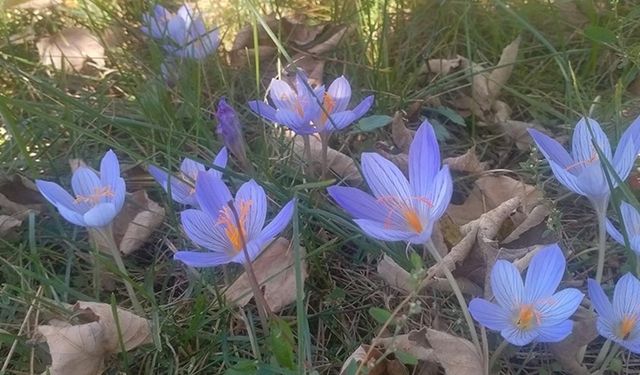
(612, 354)
(602, 243)
(324, 140)
(497, 353)
(107, 234)
(458, 293)
(263, 308)
(602, 355)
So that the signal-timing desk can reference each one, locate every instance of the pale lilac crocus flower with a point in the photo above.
(529, 311)
(631, 223)
(229, 131)
(309, 111)
(182, 186)
(215, 228)
(98, 198)
(400, 209)
(620, 321)
(182, 34)
(582, 171)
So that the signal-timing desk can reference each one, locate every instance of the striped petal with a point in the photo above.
(489, 314)
(202, 258)
(506, 284)
(544, 274)
(252, 194)
(384, 178)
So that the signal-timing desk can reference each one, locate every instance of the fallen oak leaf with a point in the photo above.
(414, 343)
(274, 271)
(467, 162)
(139, 217)
(440, 66)
(69, 49)
(373, 362)
(401, 135)
(456, 355)
(81, 349)
(19, 196)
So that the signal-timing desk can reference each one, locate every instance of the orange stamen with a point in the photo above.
(592, 159)
(413, 220)
(96, 197)
(627, 325)
(328, 104)
(526, 317)
(408, 212)
(235, 233)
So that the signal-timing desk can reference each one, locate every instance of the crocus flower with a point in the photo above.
(98, 198)
(529, 311)
(299, 109)
(215, 227)
(182, 34)
(230, 131)
(183, 186)
(631, 222)
(618, 322)
(582, 171)
(400, 210)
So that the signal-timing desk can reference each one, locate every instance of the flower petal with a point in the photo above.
(278, 223)
(624, 158)
(282, 95)
(633, 133)
(74, 217)
(593, 182)
(630, 218)
(339, 120)
(614, 232)
(380, 231)
(489, 314)
(440, 192)
(254, 248)
(566, 178)
(599, 300)
(109, 170)
(159, 175)
(605, 328)
(85, 182)
(340, 92)
(119, 193)
(202, 258)
(506, 284)
(519, 337)
(212, 194)
(362, 108)
(190, 168)
(294, 122)
(545, 272)
(626, 296)
(263, 110)
(102, 214)
(357, 203)
(203, 230)
(555, 333)
(253, 194)
(557, 308)
(220, 161)
(384, 178)
(55, 194)
(582, 143)
(424, 159)
(551, 149)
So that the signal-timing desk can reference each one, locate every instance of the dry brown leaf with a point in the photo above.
(440, 66)
(8, 225)
(373, 364)
(414, 343)
(81, 349)
(70, 48)
(537, 216)
(488, 193)
(19, 196)
(275, 272)
(456, 355)
(566, 351)
(499, 76)
(401, 135)
(133, 226)
(467, 162)
(340, 164)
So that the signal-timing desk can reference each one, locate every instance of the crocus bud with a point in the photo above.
(229, 132)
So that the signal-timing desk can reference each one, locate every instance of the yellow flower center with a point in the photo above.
(406, 210)
(236, 234)
(526, 317)
(97, 195)
(627, 325)
(413, 220)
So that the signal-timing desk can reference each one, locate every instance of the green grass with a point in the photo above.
(50, 117)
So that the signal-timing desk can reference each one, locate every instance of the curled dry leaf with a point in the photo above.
(81, 349)
(414, 343)
(19, 196)
(8, 225)
(467, 162)
(440, 66)
(69, 49)
(340, 164)
(373, 364)
(456, 355)
(566, 351)
(401, 135)
(133, 226)
(274, 270)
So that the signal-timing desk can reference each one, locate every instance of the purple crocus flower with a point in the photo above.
(215, 228)
(299, 109)
(229, 131)
(183, 186)
(400, 210)
(182, 34)
(582, 171)
(631, 222)
(529, 311)
(618, 322)
(98, 198)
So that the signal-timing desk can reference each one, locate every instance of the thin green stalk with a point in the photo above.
(301, 318)
(602, 354)
(602, 243)
(107, 234)
(498, 353)
(610, 357)
(458, 293)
